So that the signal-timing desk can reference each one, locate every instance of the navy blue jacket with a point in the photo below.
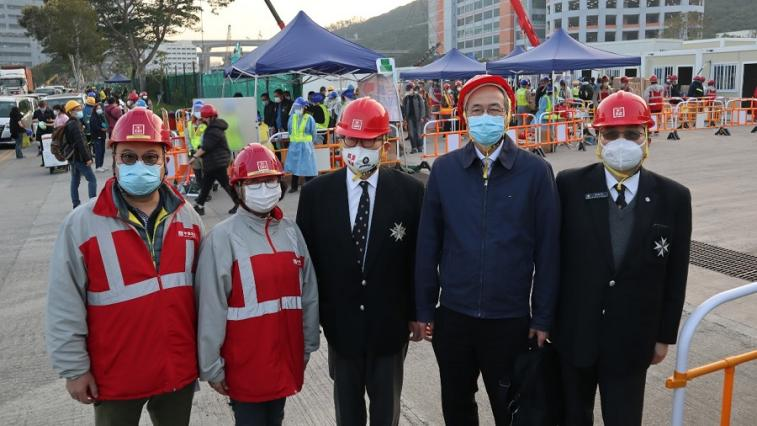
(489, 243)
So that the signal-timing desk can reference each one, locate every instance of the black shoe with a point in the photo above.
(292, 190)
(200, 209)
(233, 210)
(210, 197)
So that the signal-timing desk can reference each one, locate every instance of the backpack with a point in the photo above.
(60, 147)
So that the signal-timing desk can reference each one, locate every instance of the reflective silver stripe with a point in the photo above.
(248, 281)
(177, 279)
(189, 255)
(265, 308)
(109, 258)
(129, 292)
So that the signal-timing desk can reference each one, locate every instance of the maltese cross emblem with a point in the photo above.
(662, 247)
(398, 232)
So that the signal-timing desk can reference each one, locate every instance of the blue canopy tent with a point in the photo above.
(305, 47)
(560, 52)
(517, 50)
(118, 79)
(452, 66)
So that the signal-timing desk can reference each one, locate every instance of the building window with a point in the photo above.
(557, 24)
(558, 7)
(610, 36)
(574, 5)
(653, 18)
(724, 76)
(592, 21)
(695, 2)
(662, 73)
(575, 36)
(573, 22)
(478, 4)
(468, 20)
(488, 14)
(630, 19)
(651, 34)
(468, 44)
(611, 4)
(672, 2)
(487, 3)
(461, 45)
(591, 37)
(495, 39)
(592, 4)
(610, 20)
(478, 17)
(487, 40)
(631, 4)
(488, 28)
(630, 35)
(653, 3)
(460, 22)
(496, 12)
(477, 42)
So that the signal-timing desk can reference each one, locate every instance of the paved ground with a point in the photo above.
(719, 171)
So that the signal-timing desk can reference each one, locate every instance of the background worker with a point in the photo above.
(81, 162)
(521, 102)
(300, 160)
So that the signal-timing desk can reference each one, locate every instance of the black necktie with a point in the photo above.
(360, 230)
(621, 200)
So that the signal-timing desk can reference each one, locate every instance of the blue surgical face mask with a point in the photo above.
(486, 129)
(139, 179)
(79, 114)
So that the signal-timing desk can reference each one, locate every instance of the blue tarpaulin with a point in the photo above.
(559, 53)
(453, 65)
(305, 47)
(118, 79)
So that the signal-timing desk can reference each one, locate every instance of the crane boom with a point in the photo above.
(275, 14)
(525, 23)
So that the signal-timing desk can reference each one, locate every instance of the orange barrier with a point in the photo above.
(740, 112)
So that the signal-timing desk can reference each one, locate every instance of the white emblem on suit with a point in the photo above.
(398, 232)
(662, 247)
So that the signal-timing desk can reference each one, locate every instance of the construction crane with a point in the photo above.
(275, 14)
(525, 23)
(228, 45)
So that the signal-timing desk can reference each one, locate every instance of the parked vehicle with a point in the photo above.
(27, 105)
(15, 80)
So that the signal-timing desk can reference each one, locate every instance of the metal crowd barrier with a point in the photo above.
(682, 374)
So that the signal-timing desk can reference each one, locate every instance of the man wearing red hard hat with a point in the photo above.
(120, 307)
(257, 297)
(360, 224)
(618, 311)
(489, 240)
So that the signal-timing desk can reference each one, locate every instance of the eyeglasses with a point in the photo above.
(630, 134)
(149, 158)
(270, 184)
(365, 143)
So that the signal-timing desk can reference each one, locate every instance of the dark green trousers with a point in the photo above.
(168, 409)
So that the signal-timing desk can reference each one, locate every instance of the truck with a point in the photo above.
(16, 80)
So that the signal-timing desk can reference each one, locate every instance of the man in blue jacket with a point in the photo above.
(489, 239)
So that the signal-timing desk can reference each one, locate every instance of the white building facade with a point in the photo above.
(176, 56)
(15, 46)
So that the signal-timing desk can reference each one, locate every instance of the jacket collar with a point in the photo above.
(506, 156)
(110, 202)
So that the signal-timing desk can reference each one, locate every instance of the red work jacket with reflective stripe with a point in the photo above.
(264, 345)
(141, 320)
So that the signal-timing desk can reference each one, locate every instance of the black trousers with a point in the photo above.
(269, 413)
(621, 395)
(466, 347)
(296, 181)
(211, 176)
(379, 376)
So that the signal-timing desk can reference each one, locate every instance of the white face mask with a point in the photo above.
(197, 115)
(622, 154)
(263, 199)
(361, 160)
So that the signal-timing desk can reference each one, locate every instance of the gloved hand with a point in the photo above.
(29, 132)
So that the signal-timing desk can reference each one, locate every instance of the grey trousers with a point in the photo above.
(380, 376)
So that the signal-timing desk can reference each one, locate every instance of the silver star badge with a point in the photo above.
(398, 232)
(662, 247)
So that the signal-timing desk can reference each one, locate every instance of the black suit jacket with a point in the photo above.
(385, 289)
(615, 317)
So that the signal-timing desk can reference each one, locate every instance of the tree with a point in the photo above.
(136, 28)
(66, 31)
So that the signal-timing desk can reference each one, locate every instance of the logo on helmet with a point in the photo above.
(357, 124)
(263, 165)
(618, 112)
(138, 129)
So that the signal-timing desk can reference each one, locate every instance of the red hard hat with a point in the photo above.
(475, 83)
(255, 161)
(208, 111)
(140, 125)
(653, 79)
(699, 78)
(672, 77)
(143, 94)
(711, 82)
(446, 86)
(624, 79)
(133, 96)
(458, 82)
(363, 118)
(622, 109)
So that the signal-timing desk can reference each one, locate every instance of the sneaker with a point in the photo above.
(99, 170)
(200, 209)
(233, 210)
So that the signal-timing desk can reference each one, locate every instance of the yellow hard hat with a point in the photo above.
(330, 89)
(71, 105)
(91, 101)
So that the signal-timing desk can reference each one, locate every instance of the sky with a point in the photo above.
(249, 18)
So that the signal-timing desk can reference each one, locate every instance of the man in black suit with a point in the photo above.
(360, 225)
(626, 233)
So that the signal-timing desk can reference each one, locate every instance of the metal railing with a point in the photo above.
(682, 374)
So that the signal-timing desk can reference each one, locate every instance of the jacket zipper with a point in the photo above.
(483, 242)
(268, 236)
